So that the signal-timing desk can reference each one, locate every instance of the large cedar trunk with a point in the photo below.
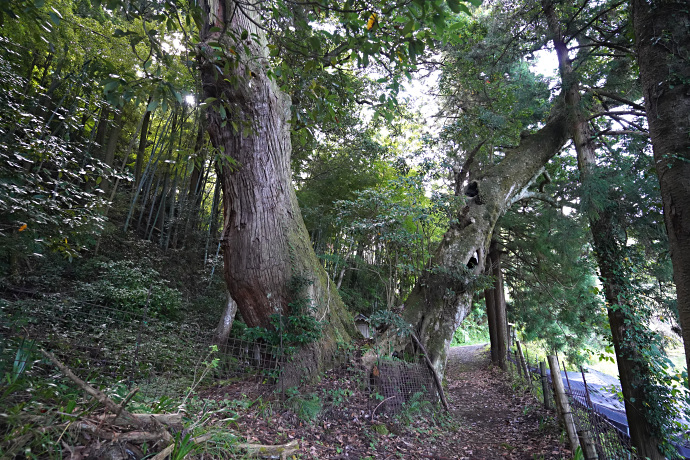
(265, 242)
(662, 35)
(442, 297)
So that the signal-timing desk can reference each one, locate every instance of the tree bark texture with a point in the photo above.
(499, 305)
(490, 300)
(662, 37)
(265, 242)
(608, 250)
(442, 297)
(225, 324)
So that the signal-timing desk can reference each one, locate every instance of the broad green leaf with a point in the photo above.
(409, 27)
(54, 18)
(454, 6)
(439, 21)
(152, 105)
(111, 85)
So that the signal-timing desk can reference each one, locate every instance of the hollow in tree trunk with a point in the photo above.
(442, 297)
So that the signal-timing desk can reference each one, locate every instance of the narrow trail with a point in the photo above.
(498, 422)
(489, 419)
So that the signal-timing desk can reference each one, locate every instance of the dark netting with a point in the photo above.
(607, 434)
(394, 382)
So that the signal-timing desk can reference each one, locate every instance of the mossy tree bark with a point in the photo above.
(265, 242)
(442, 298)
(662, 36)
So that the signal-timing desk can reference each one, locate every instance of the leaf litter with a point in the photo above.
(337, 418)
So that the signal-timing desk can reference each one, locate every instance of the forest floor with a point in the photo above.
(491, 417)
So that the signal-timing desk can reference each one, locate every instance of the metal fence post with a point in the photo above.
(584, 381)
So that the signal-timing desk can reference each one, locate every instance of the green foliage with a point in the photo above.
(32, 406)
(339, 396)
(552, 284)
(474, 329)
(414, 408)
(386, 318)
(47, 201)
(306, 407)
(294, 329)
(128, 286)
(489, 97)
(401, 225)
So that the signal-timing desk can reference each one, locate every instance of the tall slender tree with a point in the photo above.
(662, 37)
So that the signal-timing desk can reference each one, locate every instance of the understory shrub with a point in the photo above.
(123, 285)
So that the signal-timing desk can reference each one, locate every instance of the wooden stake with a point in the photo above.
(517, 363)
(562, 403)
(587, 444)
(522, 364)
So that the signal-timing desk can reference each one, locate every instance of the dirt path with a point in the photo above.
(498, 422)
(337, 419)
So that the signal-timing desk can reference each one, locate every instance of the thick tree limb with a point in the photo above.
(617, 114)
(545, 197)
(171, 420)
(465, 170)
(129, 436)
(622, 132)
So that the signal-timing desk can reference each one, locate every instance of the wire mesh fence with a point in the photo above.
(394, 383)
(113, 347)
(609, 437)
(610, 442)
(109, 346)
